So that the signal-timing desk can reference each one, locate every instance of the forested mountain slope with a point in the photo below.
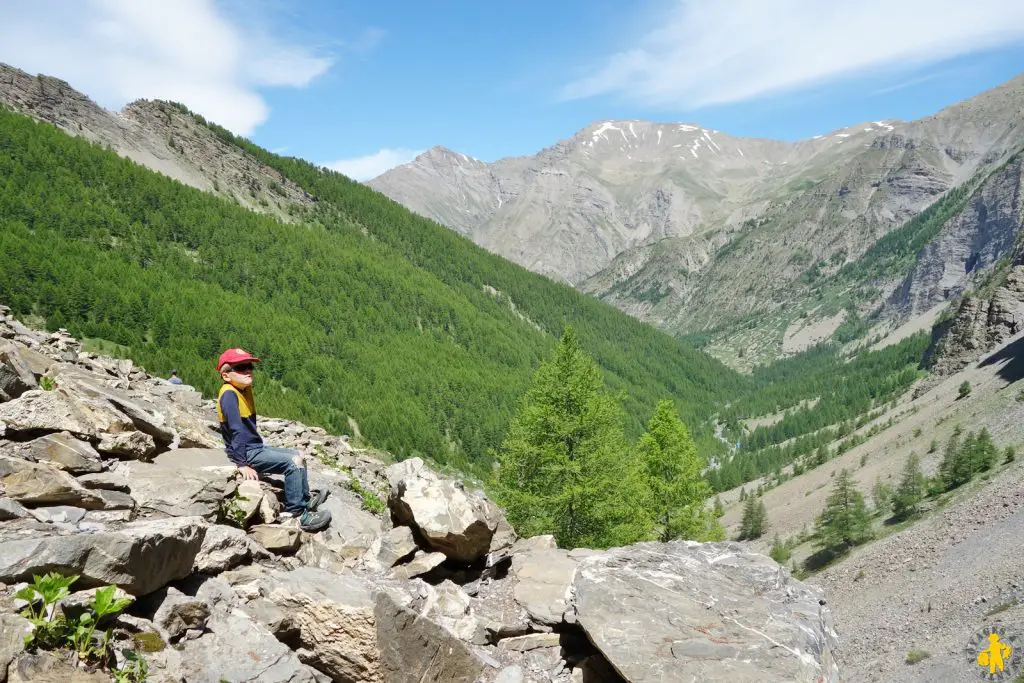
(366, 315)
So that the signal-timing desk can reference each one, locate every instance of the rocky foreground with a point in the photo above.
(120, 478)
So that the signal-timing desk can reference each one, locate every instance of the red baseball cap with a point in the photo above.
(233, 356)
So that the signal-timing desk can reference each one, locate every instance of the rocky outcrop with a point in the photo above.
(971, 242)
(440, 511)
(716, 611)
(439, 588)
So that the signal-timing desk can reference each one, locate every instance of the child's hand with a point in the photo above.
(248, 473)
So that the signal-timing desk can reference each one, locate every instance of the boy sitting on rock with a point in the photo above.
(236, 411)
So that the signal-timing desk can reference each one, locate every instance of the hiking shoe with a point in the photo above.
(315, 520)
(316, 499)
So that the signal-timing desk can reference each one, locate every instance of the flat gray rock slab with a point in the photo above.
(685, 611)
(544, 583)
(140, 557)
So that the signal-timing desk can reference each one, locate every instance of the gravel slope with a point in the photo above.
(972, 548)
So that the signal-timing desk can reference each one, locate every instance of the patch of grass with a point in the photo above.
(105, 347)
(371, 502)
(915, 656)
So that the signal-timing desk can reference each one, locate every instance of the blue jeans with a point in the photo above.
(268, 460)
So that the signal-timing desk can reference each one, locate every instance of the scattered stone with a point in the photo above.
(529, 642)
(10, 509)
(47, 667)
(335, 618)
(414, 649)
(60, 514)
(396, 545)
(420, 564)
(276, 538)
(224, 548)
(170, 486)
(178, 613)
(15, 374)
(61, 411)
(133, 445)
(13, 630)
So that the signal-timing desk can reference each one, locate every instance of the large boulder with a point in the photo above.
(415, 649)
(447, 519)
(177, 484)
(33, 485)
(140, 557)
(334, 617)
(225, 547)
(61, 450)
(235, 648)
(685, 611)
(15, 373)
(62, 411)
(143, 414)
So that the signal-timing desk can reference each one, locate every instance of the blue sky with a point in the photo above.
(364, 85)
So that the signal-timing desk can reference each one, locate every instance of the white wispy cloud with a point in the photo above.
(708, 52)
(372, 165)
(190, 51)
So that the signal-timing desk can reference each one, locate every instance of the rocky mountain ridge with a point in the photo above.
(158, 135)
(119, 478)
(693, 230)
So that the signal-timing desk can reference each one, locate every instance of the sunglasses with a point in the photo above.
(244, 367)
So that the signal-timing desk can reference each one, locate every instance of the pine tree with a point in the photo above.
(755, 519)
(845, 521)
(985, 452)
(911, 489)
(780, 551)
(948, 467)
(562, 469)
(719, 509)
(677, 491)
(881, 495)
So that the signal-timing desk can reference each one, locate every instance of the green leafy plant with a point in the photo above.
(43, 595)
(371, 502)
(231, 511)
(81, 636)
(47, 383)
(134, 669)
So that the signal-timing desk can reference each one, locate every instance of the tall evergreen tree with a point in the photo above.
(562, 469)
(677, 490)
(911, 489)
(951, 467)
(985, 452)
(845, 521)
(755, 519)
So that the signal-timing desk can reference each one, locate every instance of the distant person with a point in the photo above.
(174, 379)
(236, 411)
